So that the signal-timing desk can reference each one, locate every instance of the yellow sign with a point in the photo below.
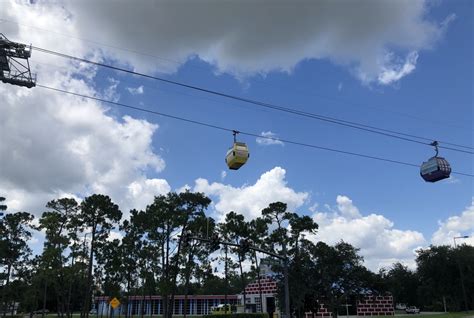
(114, 303)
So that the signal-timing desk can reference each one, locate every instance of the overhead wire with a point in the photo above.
(221, 128)
(350, 124)
(115, 47)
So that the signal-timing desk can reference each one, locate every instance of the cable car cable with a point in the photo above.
(337, 121)
(179, 63)
(232, 130)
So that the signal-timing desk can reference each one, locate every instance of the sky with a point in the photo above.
(399, 65)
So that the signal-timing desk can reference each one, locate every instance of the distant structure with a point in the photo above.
(197, 305)
(322, 312)
(262, 292)
(14, 64)
(261, 296)
(376, 306)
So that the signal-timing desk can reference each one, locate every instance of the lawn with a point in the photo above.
(442, 315)
(469, 314)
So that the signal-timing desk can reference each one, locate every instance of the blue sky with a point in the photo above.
(386, 203)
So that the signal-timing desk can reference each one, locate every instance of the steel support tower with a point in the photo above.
(14, 64)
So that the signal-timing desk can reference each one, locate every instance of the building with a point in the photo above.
(153, 305)
(372, 305)
(260, 296)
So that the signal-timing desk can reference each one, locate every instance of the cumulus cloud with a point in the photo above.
(379, 241)
(268, 138)
(249, 200)
(142, 191)
(457, 225)
(347, 208)
(55, 145)
(136, 90)
(370, 37)
(65, 144)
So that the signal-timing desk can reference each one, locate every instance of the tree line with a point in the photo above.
(154, 253)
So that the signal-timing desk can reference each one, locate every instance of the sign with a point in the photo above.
(114, 303)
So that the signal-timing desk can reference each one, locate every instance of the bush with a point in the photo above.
(239, 315)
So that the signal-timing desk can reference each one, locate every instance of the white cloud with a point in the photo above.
(110, 91)
(114, 235)
(249, 200)
(314, 207)
(379, 241)
(243, 38)
(393, 71)
(54, 144)
(184, 188)
(452, 180)
(142, 192)
(268, 138)
(136, 90)
(347, 209)
(65, 144)
(457, 225)
(223, 174)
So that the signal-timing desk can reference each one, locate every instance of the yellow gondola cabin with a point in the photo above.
(237, 155)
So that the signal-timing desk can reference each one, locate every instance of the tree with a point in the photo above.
(197, 252)
(130, 248)
(236, 230)
(99, 215)
(167, 222)
(59, 224)
(15, 231)
(258, 230)
(403, 283)
(338, 273)
(439, 270)
(277, 215)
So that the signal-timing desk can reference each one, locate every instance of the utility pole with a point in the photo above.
(286, 282)
(226, 281)
(283, 258)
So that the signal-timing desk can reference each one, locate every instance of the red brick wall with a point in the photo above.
(322, 312)
(375, 306)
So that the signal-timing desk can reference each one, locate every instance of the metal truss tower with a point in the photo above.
(14, 65)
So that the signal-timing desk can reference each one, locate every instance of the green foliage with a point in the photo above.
(158, 253)
(440, 269)
(402, 283)
(15, 231)
(98, 216)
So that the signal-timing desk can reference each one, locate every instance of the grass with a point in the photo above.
(54, 315)
(469, 314)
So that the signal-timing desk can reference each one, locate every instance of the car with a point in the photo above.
(412, 310)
